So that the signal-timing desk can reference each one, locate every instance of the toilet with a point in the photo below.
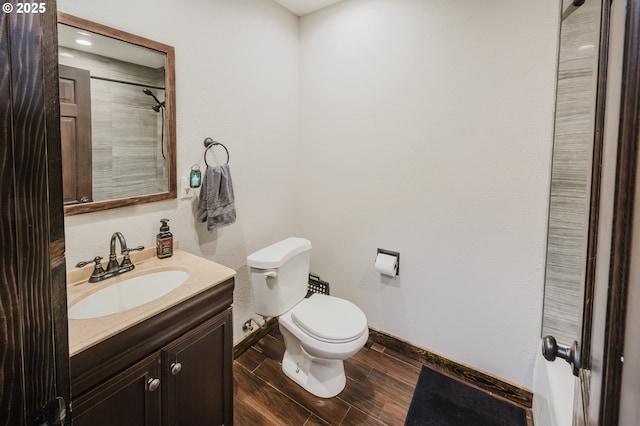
(320, 331)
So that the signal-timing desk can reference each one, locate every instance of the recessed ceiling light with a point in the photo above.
(65, 55)
(83, 33)
(84, 42)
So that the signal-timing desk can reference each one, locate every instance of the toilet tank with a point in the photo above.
(279, 275)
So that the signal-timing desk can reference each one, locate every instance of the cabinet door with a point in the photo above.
(197, 375)
(130, 398)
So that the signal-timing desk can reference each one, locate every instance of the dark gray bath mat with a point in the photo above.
(441, 401)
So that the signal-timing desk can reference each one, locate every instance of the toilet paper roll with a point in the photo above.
(386, 264)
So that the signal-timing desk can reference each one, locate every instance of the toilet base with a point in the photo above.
(315, 365)
(322, 377)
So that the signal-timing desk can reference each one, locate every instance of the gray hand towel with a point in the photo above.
(217, 203)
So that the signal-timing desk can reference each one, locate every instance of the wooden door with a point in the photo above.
(575, 187)
(197, 375)
(75, 135)
(34, 357)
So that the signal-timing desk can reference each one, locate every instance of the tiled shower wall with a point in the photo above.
(571, 171)
(126, 131)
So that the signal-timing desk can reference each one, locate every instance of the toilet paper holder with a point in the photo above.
(391, 253)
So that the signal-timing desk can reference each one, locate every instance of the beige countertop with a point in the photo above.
(85, 333)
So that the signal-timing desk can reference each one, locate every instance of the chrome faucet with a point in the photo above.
(113, 268)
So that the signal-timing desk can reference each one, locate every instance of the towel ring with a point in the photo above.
(208, 143)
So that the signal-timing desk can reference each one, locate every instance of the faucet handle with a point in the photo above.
(126, 264)
(98, 272)
(127, 251)
(84, 263)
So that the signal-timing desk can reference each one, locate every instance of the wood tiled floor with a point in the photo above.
(380, 384)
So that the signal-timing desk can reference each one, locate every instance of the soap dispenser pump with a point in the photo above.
(164, 241)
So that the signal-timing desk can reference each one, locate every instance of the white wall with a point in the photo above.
(422, 126)
(426, 128)
(237, 82)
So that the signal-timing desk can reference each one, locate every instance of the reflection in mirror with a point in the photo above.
(570, 192)
(117, 117)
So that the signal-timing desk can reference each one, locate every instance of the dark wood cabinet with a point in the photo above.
(130, 398)
(175, 368)
(196, 389)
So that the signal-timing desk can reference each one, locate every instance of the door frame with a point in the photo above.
(626, 169)
(583, 388)
(612, 332)
(33, 307)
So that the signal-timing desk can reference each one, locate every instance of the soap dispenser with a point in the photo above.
(164, 241)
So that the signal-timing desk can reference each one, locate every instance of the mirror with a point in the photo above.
(117, 107)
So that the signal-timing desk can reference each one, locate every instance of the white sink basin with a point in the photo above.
(127, 294)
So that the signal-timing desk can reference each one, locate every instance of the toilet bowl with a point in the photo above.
(314, 358)
(320, 331)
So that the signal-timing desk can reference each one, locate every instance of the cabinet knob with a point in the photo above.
(176, 367)
(153, 384)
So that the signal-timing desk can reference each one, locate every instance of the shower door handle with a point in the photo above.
(551, 350)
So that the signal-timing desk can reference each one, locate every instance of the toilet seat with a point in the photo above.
(329, 319)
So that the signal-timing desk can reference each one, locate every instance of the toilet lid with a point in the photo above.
(329, 319)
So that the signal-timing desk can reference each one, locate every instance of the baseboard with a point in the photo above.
(253, 337)
(485, 381)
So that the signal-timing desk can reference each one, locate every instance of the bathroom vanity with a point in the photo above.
(168, 361)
